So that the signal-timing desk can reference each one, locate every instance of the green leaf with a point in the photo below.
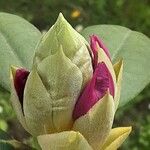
(3, 143)
(134, 48)
(8, 143)
(6, 146)
(4, 135)
(13, 145)
(18, 39)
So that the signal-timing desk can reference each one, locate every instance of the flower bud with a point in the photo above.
(73, 44)
(71, 94)
(61, 69)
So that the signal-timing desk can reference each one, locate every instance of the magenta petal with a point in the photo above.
(19, 82)
(93, 40)
(94, 91)
(95, 52)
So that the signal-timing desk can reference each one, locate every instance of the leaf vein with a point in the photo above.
(121, 44)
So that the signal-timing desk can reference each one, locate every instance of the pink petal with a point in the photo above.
(94, 40)
(94, 50)
(20, 81)
(94, 91)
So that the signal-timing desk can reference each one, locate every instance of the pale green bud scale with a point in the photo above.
(51, 94)
(73, 44)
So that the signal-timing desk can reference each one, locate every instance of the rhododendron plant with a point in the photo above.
(70, 96)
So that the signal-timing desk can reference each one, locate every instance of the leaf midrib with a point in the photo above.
(121, 45)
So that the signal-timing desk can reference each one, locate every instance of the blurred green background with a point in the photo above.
(134, 14)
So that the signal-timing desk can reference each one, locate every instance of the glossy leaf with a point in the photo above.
(18, 39)
(134, 48)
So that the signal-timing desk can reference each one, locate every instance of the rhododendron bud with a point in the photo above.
(70, 96)
(62, 67)
(74, 46)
